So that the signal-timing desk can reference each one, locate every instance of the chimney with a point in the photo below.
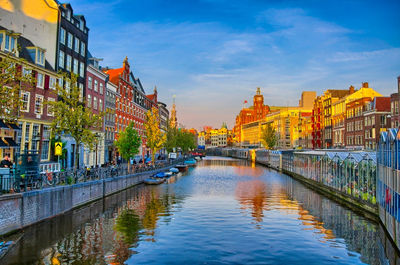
(351, 89)
(365, 85)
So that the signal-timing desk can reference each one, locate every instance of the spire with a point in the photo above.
(155, 89)
(258, 91)
(173, 120)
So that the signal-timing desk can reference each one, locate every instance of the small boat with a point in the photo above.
(154, 181)
(174, 170)
(198, 158)
(168, 174)
(159, 175)
(182, 168)
(190, 162)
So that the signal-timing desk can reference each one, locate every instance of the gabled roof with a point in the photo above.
(338, 93)
(151, 97)
(114, 74)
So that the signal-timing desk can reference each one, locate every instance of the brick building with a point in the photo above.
(95, 95)
(33, 130)
(376, 119)
(133, 103)
(354, 122)
(247, 115)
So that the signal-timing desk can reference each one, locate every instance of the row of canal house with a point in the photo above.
(352, 118)
(51, 38)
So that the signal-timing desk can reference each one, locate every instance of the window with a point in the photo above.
(61, 59)
(95, 102)
(82, 69)
(50, 111)
(62, 35)
(76, 65)
(95, 85)
(39, 104)
(26, 72)
(83, 48)
(80, 92)
(60, 82)
(76, 45)
(40, 80)
(52, 82)
(10, 43)
(69, 62)
(70, 39)
(89, 101)
(25, 101)
(101, 88)
(67, 85)
(100, 104)
(90, 83)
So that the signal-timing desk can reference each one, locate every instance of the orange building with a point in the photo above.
(254, 113)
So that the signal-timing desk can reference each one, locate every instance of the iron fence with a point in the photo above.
(11, 182)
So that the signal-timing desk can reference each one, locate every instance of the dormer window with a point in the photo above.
(37, 55)
(8, 41)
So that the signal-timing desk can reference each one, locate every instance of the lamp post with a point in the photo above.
(97, 136)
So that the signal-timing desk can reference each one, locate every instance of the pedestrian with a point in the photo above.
(6, 162)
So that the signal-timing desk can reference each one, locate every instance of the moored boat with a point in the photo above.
(174, 170)
(181, 168)
(154, 181)
(190, 162)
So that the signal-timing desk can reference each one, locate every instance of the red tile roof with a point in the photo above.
(114, 74)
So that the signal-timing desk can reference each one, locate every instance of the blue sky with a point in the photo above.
(213, 54)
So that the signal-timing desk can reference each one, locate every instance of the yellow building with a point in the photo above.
(285, 121)
(339, 111)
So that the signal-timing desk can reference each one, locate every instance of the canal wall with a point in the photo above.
(24, 209)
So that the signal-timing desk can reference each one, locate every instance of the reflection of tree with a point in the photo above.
(153, 208)
(128, 226)
(253, 194)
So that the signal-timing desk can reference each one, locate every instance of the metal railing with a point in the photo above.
(9, 183)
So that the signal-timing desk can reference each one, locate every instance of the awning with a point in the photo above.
(13, 126)
(10, 142)
(3, 144)
(3, 125)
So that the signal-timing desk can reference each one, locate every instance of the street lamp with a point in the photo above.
(97, 136)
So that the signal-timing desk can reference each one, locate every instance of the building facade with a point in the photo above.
(354, 123)
(164, 116)
(395, 109)
(95, 95)
(33, 130)
(377, 118)
(109, 121)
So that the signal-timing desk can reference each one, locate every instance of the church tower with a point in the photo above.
(174, 120)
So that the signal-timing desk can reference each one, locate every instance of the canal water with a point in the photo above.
(223, 211)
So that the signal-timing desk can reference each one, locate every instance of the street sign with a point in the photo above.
(58, 149)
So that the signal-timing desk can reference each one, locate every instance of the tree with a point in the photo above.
(12, 81)
(268, 136)
(128, 143)
(185, 140)
(155, 139)
(71, 117)
(171, 136)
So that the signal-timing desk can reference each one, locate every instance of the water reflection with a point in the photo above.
(223, 211)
